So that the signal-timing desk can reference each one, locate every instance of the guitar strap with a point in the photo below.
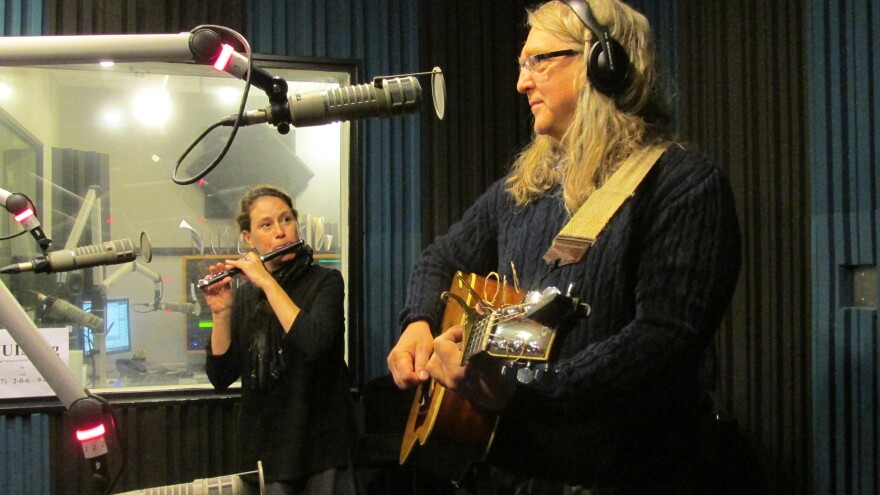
(573, 241)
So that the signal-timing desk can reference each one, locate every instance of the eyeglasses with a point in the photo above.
(533, 63)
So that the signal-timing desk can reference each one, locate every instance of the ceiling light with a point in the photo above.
(152, 107)
(112, 117)
(228, 94)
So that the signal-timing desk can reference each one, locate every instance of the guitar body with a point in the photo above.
(445, 432)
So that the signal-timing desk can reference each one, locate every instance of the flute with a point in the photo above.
(205, 282)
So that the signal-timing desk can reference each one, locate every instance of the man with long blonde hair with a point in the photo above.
(621, 407)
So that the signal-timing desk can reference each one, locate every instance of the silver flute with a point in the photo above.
(205, 282)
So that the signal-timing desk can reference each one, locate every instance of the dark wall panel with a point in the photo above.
(844, 116)
(743, 102)
(487, 121)
(21, 18)
(24, 453)
(163, 442)
(69, 17)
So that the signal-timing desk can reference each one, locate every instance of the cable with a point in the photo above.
(120, 441)
(231, 138)
(213, 164)
(13, 236)
(87, 335)
(148, 305)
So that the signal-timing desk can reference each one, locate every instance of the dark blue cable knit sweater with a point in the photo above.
(624, 403)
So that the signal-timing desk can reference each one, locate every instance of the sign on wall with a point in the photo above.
(18, 376)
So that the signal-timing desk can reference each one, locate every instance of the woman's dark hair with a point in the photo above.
(243, 218)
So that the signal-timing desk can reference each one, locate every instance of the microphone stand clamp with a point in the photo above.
(86, 414)
(279, 103)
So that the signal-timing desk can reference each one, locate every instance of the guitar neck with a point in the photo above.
(476, 338)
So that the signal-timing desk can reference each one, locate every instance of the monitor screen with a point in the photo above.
(117, 321)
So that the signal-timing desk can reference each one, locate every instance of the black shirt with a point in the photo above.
(303, 421)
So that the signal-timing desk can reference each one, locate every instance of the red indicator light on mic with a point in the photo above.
(26, 214)
(224, 58)
(90, 434)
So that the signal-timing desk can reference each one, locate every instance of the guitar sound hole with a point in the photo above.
(425, 393)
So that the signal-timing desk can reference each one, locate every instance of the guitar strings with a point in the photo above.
(489, 278)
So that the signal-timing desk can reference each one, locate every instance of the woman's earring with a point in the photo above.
(238, 244)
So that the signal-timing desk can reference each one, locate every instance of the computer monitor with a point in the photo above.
(117, 322)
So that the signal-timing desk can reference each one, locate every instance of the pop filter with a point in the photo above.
(438, 92)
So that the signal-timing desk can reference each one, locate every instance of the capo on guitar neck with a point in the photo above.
(470, 289)
(471, 313)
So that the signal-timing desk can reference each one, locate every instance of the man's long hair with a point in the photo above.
(604, 130)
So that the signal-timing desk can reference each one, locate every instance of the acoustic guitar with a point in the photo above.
(445, 433)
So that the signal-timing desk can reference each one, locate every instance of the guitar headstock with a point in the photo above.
(509, 335)
(524, 331)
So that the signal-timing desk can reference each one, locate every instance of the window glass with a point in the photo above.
(94, 147)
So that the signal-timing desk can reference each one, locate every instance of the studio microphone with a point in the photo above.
(63, 310)
(193, 308)
(381, 98)
(106, 253)
(25, 213)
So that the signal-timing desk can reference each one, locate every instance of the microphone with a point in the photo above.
(381, 98)
(63, 310)
(231, 484)
(193, 308)
(106, 253)
(24, 211)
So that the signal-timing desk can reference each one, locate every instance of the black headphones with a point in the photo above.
(608, 63)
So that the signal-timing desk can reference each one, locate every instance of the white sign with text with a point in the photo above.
(18, 376)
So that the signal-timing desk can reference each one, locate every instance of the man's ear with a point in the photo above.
(246, 235)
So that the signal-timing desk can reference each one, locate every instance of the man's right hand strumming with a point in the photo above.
(408, 360)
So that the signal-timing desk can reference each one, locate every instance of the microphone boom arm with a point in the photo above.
(38, 50)
(135, 267)
(25, 333)
(86, 410)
